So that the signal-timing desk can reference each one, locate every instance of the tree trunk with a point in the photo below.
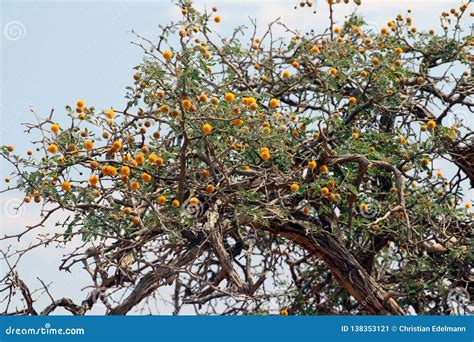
(345, 268)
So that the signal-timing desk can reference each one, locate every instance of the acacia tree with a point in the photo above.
(245, 170)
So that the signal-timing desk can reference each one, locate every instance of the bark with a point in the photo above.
(344, 267)
(153, 280)
(463, 157)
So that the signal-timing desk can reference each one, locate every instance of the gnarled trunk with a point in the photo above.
(345, 268)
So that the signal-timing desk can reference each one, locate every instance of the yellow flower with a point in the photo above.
(312, 164)
(431, 124)
(66, 186)
(167, 55)
(210, 188)
(294, 187)
(52, 148)
(229, 97)
(55, 128)
(93, 180)
(265, 153)
(324, 169)
(109, 170)
(207, 128)
(117, 145)
(187, 104)
(152, 158)
(109, 113)
(324, 191)
(194, 201)
(134, 186)
(80, 103)
(331, 185)
(140, 158)
(88, 145)
(175, 203)
(274, 103)
(146, 177)
(124, 170)
(333, 71)
(203, 98)
(238, 122)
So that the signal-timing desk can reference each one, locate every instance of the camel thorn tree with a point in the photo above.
(249, 170)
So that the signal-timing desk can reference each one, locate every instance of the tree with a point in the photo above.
(241, 172)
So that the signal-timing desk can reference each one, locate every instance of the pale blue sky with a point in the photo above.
(68, 50)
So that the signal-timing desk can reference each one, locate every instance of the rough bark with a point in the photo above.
(344, 267)
(153, 280)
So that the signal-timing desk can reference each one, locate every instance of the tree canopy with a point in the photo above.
(245, 170)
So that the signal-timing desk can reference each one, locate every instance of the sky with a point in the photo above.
(55, 52)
